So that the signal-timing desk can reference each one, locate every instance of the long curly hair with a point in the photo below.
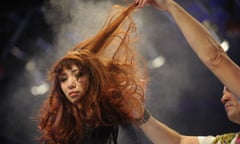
(117, 82)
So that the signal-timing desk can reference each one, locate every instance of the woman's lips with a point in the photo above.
(74, 94)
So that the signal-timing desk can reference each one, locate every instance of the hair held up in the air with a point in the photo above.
(117, 82)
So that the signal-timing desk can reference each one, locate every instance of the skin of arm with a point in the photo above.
(159, 133)
(209, 52)
(203, 44)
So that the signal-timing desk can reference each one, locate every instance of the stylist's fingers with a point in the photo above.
(141, 3)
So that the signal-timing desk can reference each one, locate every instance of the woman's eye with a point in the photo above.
(78, 74)
(63, 78)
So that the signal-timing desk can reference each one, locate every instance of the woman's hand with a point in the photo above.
(161, 4)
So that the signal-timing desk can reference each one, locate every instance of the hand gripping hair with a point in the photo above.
(117, 81)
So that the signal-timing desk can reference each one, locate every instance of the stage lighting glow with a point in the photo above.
(30, 66)
(40, 90)
(225, 45)
(156, 63)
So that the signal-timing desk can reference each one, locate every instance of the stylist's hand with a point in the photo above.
(161, 4)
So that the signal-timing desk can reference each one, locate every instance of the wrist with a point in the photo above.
(144, 119)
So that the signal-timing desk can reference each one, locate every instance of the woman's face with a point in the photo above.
(74, 83)
(232, 105)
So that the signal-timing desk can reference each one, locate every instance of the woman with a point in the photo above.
(96, 87)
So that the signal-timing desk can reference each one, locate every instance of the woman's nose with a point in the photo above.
(72, 83)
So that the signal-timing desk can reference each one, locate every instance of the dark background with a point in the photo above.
(183, 93)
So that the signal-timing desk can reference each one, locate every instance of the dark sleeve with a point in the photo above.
(128, 134)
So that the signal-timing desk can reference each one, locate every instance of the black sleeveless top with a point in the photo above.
(109, 135)
(101, 135)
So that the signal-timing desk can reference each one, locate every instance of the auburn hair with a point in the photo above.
(117, 82)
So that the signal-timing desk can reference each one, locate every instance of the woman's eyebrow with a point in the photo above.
(75, 70)
(62, 74)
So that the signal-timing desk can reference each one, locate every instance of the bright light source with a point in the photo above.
(30, 66)
(157, 62)
(215, 33)
(225, 45)
(40, 90)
